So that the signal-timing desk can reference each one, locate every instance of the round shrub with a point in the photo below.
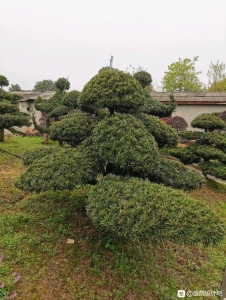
(176, 175)
(163, 134)
(62, 84)
(124, 142)
(208, 122)
(143, 77)
(59, 111)
(111, 89)
(59, 171)
(30, 156)
(73, 128)
(138, 210)
(177, 123)
(71, 99)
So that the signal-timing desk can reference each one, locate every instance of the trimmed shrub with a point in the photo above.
(59, 111)
(214, 138)
(156, 108)
(186, 155)
(47, 106)
(62, 84)
(32, 155)
(143, 77)
(190, 135)
(208, 152)
(136, 209)
(208, 122)
(176, 175)
(73, 128)
(124, 142)
(163, 134)
(177, 123)
(58, 171)
(111, 89)
(216, 168)
(71, 99)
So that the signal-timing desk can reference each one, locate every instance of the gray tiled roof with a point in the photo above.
(30, 95)
(212, 97)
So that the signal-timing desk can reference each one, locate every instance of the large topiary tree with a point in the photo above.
(115, 147)
(10, 114)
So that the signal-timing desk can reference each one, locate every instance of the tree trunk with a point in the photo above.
(1, 135)
(46, 139)
(61, 143)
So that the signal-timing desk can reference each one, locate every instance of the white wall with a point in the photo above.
(189, 112)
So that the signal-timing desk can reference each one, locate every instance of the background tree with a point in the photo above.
(182, 77)
(44, 85)
(219, 86)
(3, 81)
(14, 88)
(10, 114)
(216, 73)
(120, 157)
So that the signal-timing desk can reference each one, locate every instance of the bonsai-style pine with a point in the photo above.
(209, 150)
(10, 114)
(114, 149)
(56, 107)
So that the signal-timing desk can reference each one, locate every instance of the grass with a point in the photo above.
(34, 229)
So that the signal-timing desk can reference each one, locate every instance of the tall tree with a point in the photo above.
(216, 73)
(10, 114)
(3, 81)
(45, 85)
(182, 77)
(14, 88)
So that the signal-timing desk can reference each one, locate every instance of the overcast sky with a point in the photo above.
(48, 39)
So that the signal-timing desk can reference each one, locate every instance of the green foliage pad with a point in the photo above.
(136, 209)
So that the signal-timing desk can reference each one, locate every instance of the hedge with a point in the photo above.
(136, 209)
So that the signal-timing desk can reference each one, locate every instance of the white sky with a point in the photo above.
(48, 39)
